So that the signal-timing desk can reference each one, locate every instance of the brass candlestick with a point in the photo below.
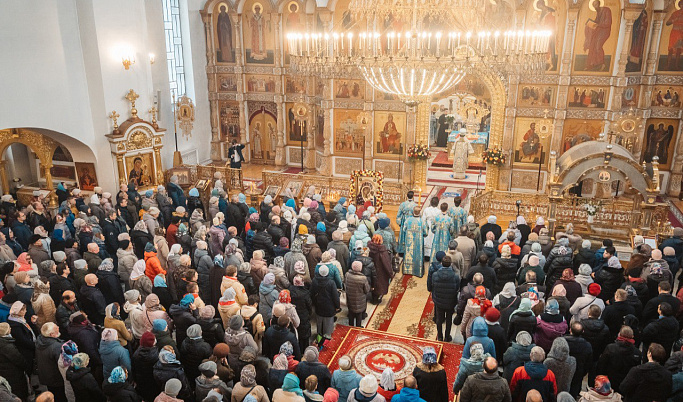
(153, 111)
(114, 116)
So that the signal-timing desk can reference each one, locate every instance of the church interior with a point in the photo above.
(566, 113)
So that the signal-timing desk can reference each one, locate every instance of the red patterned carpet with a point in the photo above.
(372, 351)
(442, 160)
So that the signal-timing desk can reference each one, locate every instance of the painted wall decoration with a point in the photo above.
(226, 82)
(636, 52)
(229, 116)
(666, 96)
(536, 95)
(587, 97)
(349, 89)
(343, 19)
(142, 170)
(295, 85)
(671, 42)
(260, 83)
(528, 141)
(550, 15)
(296, 131)
(319, 129)
(293, 21)
(390, 133)
(263, 135)
(258, 34)
(87, 175)
(578, 131)
(596, 36)
(349, 137)
(660, 136)
(225, 35)
(630, 96)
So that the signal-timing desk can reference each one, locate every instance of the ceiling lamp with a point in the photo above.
(421, 61)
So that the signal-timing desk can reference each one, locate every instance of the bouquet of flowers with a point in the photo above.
(450, 118)
(419, 152)
(592, 207)
(493, 156)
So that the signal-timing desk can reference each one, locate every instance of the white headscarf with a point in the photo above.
(175, 250)
(387, 381)
(138, 270)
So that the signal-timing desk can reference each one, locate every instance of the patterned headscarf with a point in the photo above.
(567, 275)
(69, 350)
(248, 376)
(80, 360)
(287, 349)
(117, 376)
(280, 362)
(602, 385)
(285, 297)
(429, 355)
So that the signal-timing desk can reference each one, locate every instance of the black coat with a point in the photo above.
(192, 353)
(274, 337)
(582, 351)
(120, 392)
(506, 270)
(165, 298)
(490, 227)
(500, 340)
(86, 388)
(235, 218)
(88, 341)
(247, 281)
(301, 299)
(650, 310)
(59, 285)
(610, 280)
(318, 369)
(24, 342)
(110, 286)
(432, 385)
(597, 334)
(93, 303)
(522, 321)
(47, 352)
(663, 331)
(111, 234)
(489, 274)
(614, 314)
(142, 363)
(164, 372)
(194, 203)
(444, 285)
(183, 318)
(616, 361)
(13, 366)
(584, 256)
(325, 296)
(276, 233)
(647, 382)
(555, 264)
(140, 240)
(263, 241)
(212, 331)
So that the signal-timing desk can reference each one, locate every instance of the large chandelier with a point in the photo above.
(415, 49)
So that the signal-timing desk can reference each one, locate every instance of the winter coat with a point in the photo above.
(506, 270)
(467, 368)
(342, 253)
(597, 334)
(301, 299)
(203, 263)
(609, 279)
(647, 382)
(561, 364)
(263, 241)
(579, 310)
(344, 381)
(485, 387)
(84, 385)
(480, 334)
(614, 314)
(140, 240)
(325, 296)
(521, 321)
(268, 295)
(153, 265)
(406, 395)
(143, 363)
(515, 356)
(584, 256)
(204, 385)
(239, 392)
(431, 382)
(192, 353)
(318, 369)
(616, 362)
(368, 269)
(126, 260)
(113, 355)
(238, 340)
(313, 255)
(274, 337)
(533, 376)
(88, 340)
(559, 258)
(281, 281)
(444, 285)
(110, 286)
(183, 318)
(93, 303)
(163, 372)
(143, 285)
(663, 331)
(381, 257)
(357, 289)
(547, 331)
(13, 366)
(240, 293)
(216, 236)
(44, 307)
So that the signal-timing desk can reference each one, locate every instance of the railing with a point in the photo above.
(504, 203)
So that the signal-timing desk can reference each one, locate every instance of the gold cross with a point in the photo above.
(113, 115)
(132, 97)
(153, 110)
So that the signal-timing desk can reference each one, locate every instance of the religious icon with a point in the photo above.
(349, 136)
(577, 131)
(366, 192)
(349, 89)
(629, 97)
(257, 34)
(529, 147)
(229, 115)
(297, 130)
(547, 20)
(597, 30)
(671, 46)
(533, 95)
(604, 176)
(262, 130)
(272, 191)
(227, 83)
(226, 51)
(666, 96)
(87, 177)
(657, 142)
(260, 83)
(390, 128)
(142, 170)
(587, 97)
(293, 21)
(638, 36)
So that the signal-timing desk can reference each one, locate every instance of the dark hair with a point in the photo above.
(607, 243)
(80, 318)
(483, 258)
(594, 311)
(511, 236)
(253, 299)
(666, 309)
(457, 200)
(434, 201)
(657, 352)
(636, 271)
(665, 286)
(60, 268)
(175, 219)
(444, 207)
(577, 329)
(446, 261)
(411, 194)
(189, 274)
(611, 250)
(137, 158)
(70, 243)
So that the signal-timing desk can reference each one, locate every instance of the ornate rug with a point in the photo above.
(442, 160)
(373, 351)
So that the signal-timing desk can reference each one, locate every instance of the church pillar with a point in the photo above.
(239, 74)
(651, 64)
(3, 177)
(630, 15)
(213, 103)
(49, 186)
(421, 138)
(280, 154)
(326, 165)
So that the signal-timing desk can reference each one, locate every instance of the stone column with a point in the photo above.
(326, 165)
(309, 162)
(280, 152)
(630, 15)
(652, 56)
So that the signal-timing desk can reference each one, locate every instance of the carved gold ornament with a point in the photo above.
(139, 139)
(132, 97)
(114, 116)
(185, 115)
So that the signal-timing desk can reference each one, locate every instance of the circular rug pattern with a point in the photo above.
(373, 356)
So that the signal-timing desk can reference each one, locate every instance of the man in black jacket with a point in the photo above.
(649, 381)
(263, 241)
(582, 351)
(234, 216)
(665, 296)
(274, 230)
(93, 300)
(326, 301)
(597, 334)
(111, 233)
(489, 274)
(48, 349)
(444, 285)
(614, 313)
(663, 331)
(60, 283)
(619, 358)
(66, 307)
(276, 335)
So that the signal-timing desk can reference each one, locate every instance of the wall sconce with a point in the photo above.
(128, 59)
(152, 58)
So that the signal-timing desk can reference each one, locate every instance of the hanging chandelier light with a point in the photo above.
(426, 58)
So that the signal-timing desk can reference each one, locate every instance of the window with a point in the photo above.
(174, 47)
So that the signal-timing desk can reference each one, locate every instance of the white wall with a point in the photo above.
(62, 71)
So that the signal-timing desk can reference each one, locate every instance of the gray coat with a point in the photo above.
(127, 259)
(561, 364)
(342, 253)
(357, 289)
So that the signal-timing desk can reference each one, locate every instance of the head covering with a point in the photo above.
(194, 192)
(208, 368)
(523, 338)
(187, 300)
(553, 307)
(311, 354)
(388, 381)
(236, 322)
(429, 355)
(280, 362)
(613, 262)
(310, 239)
(110, 334)
(524, 306)
(207, 312)
(299, 268)
(160, 281)
(269, 279)
(331, 395)
(491, 219)
(345, 363)
(323, 270)
(594, 289)
(248, 376)
(585, 269)
(509, 290)
(117, 376)
(602, 385)
(147, 340)
(477, 352)
(492, 315)
(287, 349)
(173, 387)
(540, 221)
(194, 331)
(357, 266)
(285, 296)
(159, 325)
(534, 260)
(4, 329)
(291, 384)
(80, 360)
(69, 350)
(168, 357)
(16, 308)
(112, 311)
(506, 251)
(133, 295)
(368, 385)
(559, 291)
(279, 262)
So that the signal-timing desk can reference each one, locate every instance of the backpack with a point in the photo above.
(249, 323)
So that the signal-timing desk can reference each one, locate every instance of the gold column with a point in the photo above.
(122, 169)
(421, 138)
(158, 180)
(49, 185)
(3, 177)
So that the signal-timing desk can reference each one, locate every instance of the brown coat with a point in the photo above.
(357, 289)
(124, 334)
(381, 257)
(45, 309)
(313, 256)
(162, 250)
(240, 294)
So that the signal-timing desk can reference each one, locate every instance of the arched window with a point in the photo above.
(174, 47)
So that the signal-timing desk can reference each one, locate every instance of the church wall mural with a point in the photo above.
(259, 36)
(390, 133)
(296, 131)
(260, 83)
(536, 95)
(349, 89)
(660, 136)
(528, 141)
(550, 15)
(587, 97)
(348, 134)
(224, 34)
(636, 50)
(666, 96)
(671, 42)
(577, 131)
(263, 135)
(293, 19)
(597, 32)
(229, 116)
(226, 83)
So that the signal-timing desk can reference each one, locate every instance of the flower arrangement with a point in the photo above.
(419, 152)
(592, 207)
(450, 118)
(493, 156)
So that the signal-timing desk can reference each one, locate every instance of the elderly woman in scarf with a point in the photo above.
(517, 354)
(387, 384)
(116, 387)
(550, 325)
(69, 351)
(247, 386)
(431, 377)
(277, 373)
(139, 281)
(522, 319)
(112, 353)
(476, 307)
(468, 366)
(340, 208)
(268, 295)
(285, 299)
(560, 294)
(113, 320)
(568, 281)
(278, 269)
(290, 391)
(169, 367)
(287, 350)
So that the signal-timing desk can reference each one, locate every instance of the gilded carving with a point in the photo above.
(140, 138)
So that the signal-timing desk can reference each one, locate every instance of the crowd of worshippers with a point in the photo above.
(548, 316)
(156, 295)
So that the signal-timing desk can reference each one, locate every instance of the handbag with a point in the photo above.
(396, 263)
(342, 298)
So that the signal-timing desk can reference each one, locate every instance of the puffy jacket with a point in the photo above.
(113, 355)
(515, 356)
(232, 282)
(533, 376)
(143, 363)
(480, 332)
(216, 236)
(345, 381)
(325, 296)
(263, 241)
(647, 382)
(467, 368)
(318, 369)
(238, 340)
(126, 260)
(268, 295)
(84, 385)
(547, 331)
(274, 337)
(610, 280)
(357, 289)
(13, 366)
(560, 257)
(192, 353)
(93, 304)
(506, 269)
(203, 264)
(47, 352)
(584, 256)
(444, 285)
(663, 331)
(368, 269)
(617, 360)
(153, 265)
(163, 372)
(406, 395)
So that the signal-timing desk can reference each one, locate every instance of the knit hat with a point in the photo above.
(236, 322)
(221, 350)
(428, 355)
(523, 338)
(149, 248)
(613, 262)
(440, 255)
(534, 261)
(208, 369)
(345, 363)
(324, 270)
(368, 385)
(586, 244)
(148, 340)
(331, 395)
(384, 223)
(492, 314)
(173, 387)
(311, 354)
(310, 239)
(59, 256)
(269, 279)
(4, 329)
(303, 230)
(194, 331)
(207, 312)
(585, 269)
(594, 289)
(132, 295)
(80, 264)
(284, 242)
(553, 307)
(357, 266)
(80, 360)
(159, 325)
(536, 247)
(187, 300)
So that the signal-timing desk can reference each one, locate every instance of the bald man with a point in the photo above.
(533, 396)
(92, 257)
(409, 392)
(92, 300)
(488, 386)
(66, 307)
(46, 396)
